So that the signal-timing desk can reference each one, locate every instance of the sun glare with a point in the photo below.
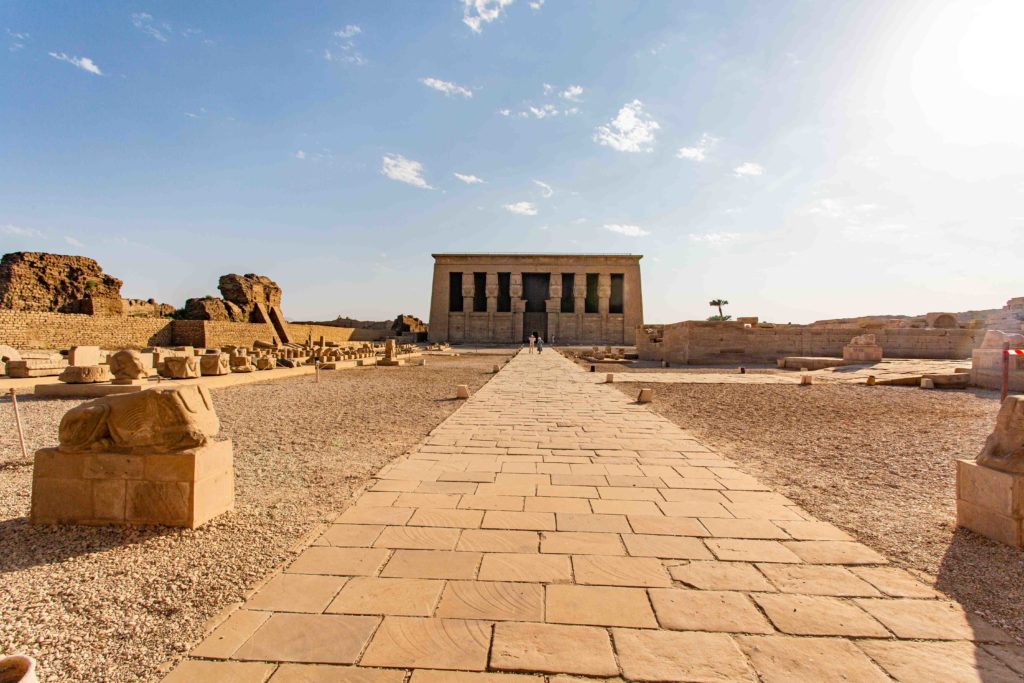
(965, 73)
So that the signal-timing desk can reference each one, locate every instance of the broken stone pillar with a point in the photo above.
(390, 354)
(84, 374)
(242, 364)
(141, 458)
(990, 489)
(862, 349)
(213, 364)
(265, 363)
(128, 367)
(182, 367)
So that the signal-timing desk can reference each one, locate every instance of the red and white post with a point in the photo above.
(1007, 352)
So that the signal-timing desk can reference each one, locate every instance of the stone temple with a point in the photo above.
(566, 298)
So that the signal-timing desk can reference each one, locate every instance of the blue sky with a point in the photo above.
(803, 160)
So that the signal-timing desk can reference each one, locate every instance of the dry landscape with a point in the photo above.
(876, 461)
(111, 604)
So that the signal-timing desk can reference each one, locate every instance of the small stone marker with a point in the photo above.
(871, 380)
(495, 370)
(609, 378)
(806, 380)
(462, 391)
(645, 396)
(927, 383)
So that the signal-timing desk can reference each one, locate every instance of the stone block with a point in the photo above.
(84, 355)
(183, 489)
(35, 368)
(862, 353)
(990, 502)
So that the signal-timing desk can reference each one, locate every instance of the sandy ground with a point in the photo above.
(876, 461)
(113, 604)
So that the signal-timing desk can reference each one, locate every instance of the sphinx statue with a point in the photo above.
(1004, 448)
(161, 420)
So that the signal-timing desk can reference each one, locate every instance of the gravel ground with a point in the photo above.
(876, 461)
(114, 604)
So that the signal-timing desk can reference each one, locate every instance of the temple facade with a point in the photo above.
(566, 298)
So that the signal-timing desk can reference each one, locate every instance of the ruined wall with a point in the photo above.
(700, 343)
(338, 335)
(44, 330)
(37, 281)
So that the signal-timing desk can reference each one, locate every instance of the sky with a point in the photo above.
(803, 160)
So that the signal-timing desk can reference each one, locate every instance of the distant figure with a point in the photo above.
(533, 341)
(540, 344)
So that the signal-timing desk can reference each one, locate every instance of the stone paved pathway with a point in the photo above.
(550, 530)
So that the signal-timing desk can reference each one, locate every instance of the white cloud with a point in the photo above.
(627, 230)
(447, 87)
(397, 167)
(17, 40)
(349, 31)
(300, 154)
(572, 93)
(713, 237)
(346, 50)
(522, 208)
(544, 111)
(632, 130)
(475, 13)
(83, 63)
(508, 112)
(144, 22)
(699, 151)
(536, 4)
(748, 168)
(347, 57)
(18, 231)
(468, 179)
(545, 189)
(73, 242)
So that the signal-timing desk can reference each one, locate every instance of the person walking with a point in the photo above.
(540, 343)
(533, 341)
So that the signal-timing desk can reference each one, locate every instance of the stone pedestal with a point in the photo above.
(990, 502)
(183, 489)
(862, 353)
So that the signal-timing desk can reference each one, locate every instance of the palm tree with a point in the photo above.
(719, 303)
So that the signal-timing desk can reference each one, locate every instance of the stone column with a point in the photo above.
(604, 295)
(553, 306)
(467, 305)
(518, 305)
(492, 302)
(579, 293)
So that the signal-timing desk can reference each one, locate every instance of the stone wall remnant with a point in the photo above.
(37, 281)
(248, 292)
